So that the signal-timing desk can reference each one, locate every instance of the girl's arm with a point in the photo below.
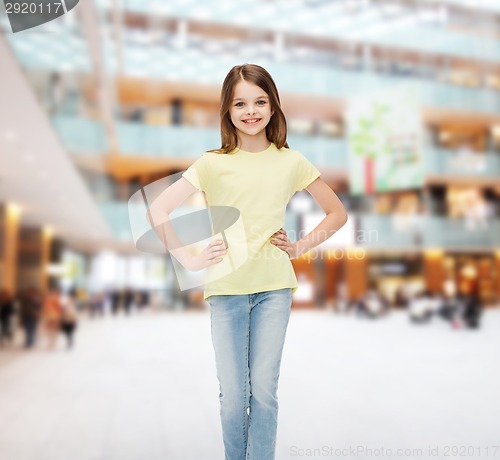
(158, 216)
(171, 198)
(336, 217)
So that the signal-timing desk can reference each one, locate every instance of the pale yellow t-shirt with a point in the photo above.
(259, 185)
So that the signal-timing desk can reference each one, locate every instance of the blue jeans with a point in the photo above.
(248, 334)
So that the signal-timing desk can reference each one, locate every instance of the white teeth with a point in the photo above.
(253, 120)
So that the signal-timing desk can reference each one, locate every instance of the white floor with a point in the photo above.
(144, 388)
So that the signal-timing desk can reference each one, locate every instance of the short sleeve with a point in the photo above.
(306, 173)
(197, 173)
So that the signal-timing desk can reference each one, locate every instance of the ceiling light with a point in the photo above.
(14, 208)
(48, 230)
(495, 131)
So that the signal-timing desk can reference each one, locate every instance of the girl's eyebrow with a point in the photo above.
(241, 98)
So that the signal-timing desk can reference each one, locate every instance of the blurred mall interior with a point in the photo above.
(393, 338)
(113, 96)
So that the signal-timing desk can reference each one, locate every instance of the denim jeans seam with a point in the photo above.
(245, 389)
(248, 371)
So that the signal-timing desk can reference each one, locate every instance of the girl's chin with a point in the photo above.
(250, 132)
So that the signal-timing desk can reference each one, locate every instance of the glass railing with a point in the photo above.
(456, 163)
(117, 215)
(299, 78)
(81, 135)
(419, 232)
(321, 150)
(371, 230)
(461, 233)
(88, 136)
(173, 141)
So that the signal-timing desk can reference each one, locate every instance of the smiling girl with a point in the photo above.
(255, 172)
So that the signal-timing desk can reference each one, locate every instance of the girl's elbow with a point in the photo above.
(341, 215)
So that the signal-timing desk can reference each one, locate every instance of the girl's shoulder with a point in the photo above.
(208, 155)
(288, 150)
(291, 154)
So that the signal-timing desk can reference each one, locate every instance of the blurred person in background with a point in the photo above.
(6, 313)
(450, 302)
(472, 310)
(30, 312)
(52, 314)
(372, 305)
(448, 307)
(424, 306)
(142, 299)
(462, 310)
(128, 300)
(341, 301)
(419, 308)
(57, 93)
(116, 299)
(401, 298)
(96, 304)
(69, 318)
(81, 299)
(435, 302)
(456, 319)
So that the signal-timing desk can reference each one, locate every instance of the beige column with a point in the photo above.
(497, 281)
(46, 242)
(34, 257)
(356, 272)
(434, 270)
(9, 233)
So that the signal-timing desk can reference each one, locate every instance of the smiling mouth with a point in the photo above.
(251, 121)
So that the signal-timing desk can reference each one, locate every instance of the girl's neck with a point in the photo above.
(253, 145)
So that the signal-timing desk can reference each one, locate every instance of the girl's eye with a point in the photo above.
(238, 103)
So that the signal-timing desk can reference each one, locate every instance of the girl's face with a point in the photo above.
(250, 109)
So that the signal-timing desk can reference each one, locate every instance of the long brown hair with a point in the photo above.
(253, 73)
